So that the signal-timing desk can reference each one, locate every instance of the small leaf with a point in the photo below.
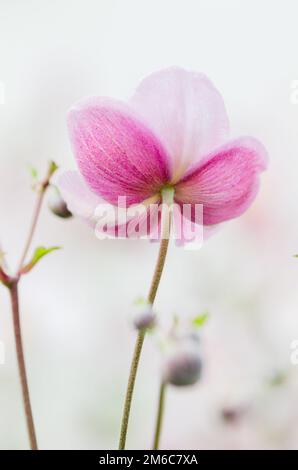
(278, 378)
(201, 319)
(141, 301)
(2, 256)
(52, 167)
(39, 253)
(33, 172)
(176, 320)
(295, 256)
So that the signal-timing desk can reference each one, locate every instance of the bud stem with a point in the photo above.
(160, 413)
(166, 220)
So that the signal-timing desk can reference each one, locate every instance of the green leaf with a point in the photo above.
(39, 253)
(2, 256)
(52, 167)
(295, 256)
(278, 378)
(33, 172)
(141, 301)
(200, 320)
(176, 320)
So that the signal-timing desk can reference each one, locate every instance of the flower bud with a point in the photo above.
(145, 318)
(233, 415)
(183, 365)
(57, 205)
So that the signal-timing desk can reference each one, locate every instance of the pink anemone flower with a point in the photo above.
(173, 132)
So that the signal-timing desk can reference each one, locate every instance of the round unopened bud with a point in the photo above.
(229, 415)
(144, 319)
(183, 365)
(57, 205)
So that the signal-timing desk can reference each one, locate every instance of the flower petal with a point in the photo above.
(116, 153)
(108, 221)
(226, 181)
(80, 200)
(138, 224)
(185, 111)
(185, 230)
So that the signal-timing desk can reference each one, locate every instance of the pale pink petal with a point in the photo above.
(80, 200)
(185, 111)
(143, 224)
(185, 230)
(106, 219)
(190, 232)
(117, 154)
(226, 181)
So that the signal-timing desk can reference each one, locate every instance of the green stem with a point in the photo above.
(163, 249)
(160, 413)
(130, 388)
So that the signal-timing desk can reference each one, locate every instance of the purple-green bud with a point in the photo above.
(183, 364)
(144, 319)
(57, 205)
(233, 414)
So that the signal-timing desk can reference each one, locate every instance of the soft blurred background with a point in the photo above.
(76, 304)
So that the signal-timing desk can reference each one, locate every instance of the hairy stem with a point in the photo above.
(21, 363)
(165, 236)
(160, 413)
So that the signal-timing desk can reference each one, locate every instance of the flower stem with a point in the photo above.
(160, 413)
(21, 363)
(41, 192)
(163, 248)
(130, 388)
(12, 284)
